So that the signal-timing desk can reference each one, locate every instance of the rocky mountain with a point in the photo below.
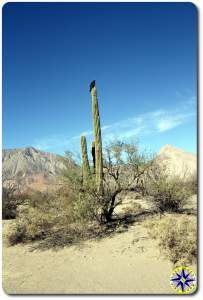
(177, 161)
(31, 167)
(39, 170)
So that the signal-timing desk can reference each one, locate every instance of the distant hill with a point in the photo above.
(177, 161)
(30, 167)
(36, 169)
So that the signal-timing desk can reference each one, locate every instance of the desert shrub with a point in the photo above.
(166, 192)
(11, 199)
(15, 233)
(192, 184)
(39, 216)
(86, 208)
(54, 219)
(133, 209)
(73, 211)
(68, 235)
(177, 237)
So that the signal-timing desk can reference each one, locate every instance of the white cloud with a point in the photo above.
(105, 127)
(48, 143)
(155, 122)
(152, 122)
(171, 121)
(167, 124)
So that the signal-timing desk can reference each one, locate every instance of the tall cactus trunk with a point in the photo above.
(85, 163)
(98, 141)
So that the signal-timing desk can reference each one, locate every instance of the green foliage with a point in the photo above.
(86, 207)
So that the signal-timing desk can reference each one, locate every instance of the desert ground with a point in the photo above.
(128, 261)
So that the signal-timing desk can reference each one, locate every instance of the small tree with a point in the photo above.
(124, 169)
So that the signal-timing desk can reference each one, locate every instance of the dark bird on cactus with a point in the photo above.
(92, 85)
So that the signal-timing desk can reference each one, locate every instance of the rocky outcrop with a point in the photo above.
(29, 166)
(177, 161)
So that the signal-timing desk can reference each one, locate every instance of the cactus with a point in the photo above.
(85, 163)
(98, 140)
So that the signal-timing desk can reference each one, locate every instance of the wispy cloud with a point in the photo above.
(53, 142)
(152, 122)
(168, 122)
(155, 122)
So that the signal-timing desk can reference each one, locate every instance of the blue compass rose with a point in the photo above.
(183, 280)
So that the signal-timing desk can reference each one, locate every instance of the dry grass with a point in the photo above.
(177, 237)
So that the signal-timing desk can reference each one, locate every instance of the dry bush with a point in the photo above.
(55, 219)
(168, 194)
(11, 199)
(39, 217)
(177, 237)
(192, 184)
(133, 209)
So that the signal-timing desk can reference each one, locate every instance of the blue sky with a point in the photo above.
(142, 55)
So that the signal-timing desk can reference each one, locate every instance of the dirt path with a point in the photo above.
(128, 262)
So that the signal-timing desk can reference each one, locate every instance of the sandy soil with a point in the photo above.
(127, 262)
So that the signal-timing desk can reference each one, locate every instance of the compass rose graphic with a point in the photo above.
(183, 280)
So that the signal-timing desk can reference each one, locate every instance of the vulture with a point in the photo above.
(92, 84)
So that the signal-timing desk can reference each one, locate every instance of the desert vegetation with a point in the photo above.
(84, 205)
(12, 197)
(176, 236)
(168, 194)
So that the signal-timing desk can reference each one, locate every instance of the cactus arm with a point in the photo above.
(85, 162)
